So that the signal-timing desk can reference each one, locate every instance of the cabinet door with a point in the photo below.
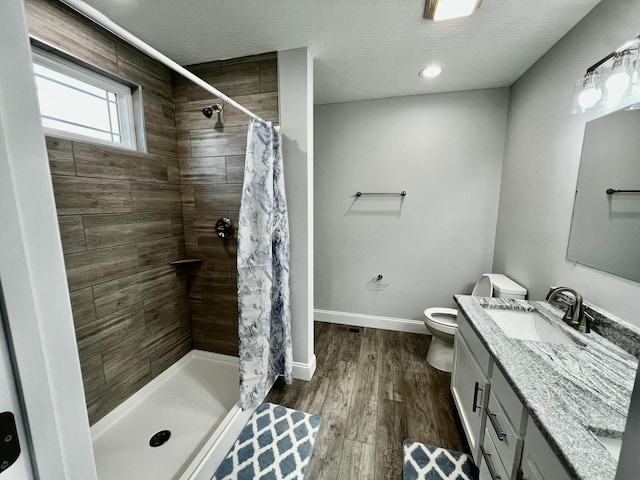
(538, 460)
(470, 390)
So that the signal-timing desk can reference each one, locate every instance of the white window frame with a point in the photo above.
(123, 92)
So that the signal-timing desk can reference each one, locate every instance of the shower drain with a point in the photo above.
(159, 438)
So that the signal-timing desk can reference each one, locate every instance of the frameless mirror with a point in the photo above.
(605, 229)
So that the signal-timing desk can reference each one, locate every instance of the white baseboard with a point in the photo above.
(371, 321)
(305, 371)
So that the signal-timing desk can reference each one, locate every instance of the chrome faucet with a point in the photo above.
(575, 315)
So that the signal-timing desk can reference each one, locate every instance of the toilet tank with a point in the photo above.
(504, 287)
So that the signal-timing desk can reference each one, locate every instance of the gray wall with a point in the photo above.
(542, 156)
(446, 151)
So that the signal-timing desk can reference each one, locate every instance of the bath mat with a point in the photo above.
(426, 462)
(276, 444)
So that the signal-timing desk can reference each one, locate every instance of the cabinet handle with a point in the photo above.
(476, 389)
(492, 470)
(496, 426)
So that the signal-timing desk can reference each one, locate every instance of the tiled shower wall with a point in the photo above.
(120, 218)
(211, 156)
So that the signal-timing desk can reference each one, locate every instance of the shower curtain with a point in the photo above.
(264, 318)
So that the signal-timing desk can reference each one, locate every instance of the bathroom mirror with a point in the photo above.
(605, 228)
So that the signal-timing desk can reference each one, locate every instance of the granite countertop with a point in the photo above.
(570, 391)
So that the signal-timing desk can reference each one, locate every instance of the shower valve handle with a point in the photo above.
(224, 228)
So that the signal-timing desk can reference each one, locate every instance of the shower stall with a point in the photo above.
(157, 337)
(114, 220)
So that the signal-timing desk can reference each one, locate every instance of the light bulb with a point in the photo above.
(589, 97)
(430, 71)
(619, 79)
(617, 85)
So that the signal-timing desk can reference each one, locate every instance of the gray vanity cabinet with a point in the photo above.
(470, 390)
(494, 442)
(494, 419)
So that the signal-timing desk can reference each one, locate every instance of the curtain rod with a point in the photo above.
(104, 21)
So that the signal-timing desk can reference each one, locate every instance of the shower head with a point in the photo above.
(208, 111)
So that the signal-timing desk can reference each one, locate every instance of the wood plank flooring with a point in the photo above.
(373, 389)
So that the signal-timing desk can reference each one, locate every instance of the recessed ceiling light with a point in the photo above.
(447, 9)
(430, 71)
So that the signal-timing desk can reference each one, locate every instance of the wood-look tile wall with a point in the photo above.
(211, 173)
(120, 217)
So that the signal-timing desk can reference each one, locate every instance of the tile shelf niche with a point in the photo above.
(186, 261)
(191, 266)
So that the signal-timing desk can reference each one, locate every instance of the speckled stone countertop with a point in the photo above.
(570, 392)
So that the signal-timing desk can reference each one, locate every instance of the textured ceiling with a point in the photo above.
(362, 49)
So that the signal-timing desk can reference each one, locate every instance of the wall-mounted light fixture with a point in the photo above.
(609, 81)
(446, 9)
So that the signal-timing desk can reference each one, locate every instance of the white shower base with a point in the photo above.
(197, 400)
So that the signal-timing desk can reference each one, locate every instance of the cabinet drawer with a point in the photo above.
(491, 467)
(506, 440)
(475, 345)
(509, 401)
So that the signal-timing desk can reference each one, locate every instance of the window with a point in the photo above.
(81, 104)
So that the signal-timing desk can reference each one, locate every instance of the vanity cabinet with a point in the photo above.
(494, 442)
(494, 419)
(470, 388)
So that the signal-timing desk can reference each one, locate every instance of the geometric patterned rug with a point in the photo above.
(276, 444)
(426, 462)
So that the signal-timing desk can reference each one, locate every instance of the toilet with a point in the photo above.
(442, 322)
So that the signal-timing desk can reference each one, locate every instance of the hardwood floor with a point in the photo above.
(373, 389)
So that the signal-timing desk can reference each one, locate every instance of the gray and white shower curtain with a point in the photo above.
(264, 316)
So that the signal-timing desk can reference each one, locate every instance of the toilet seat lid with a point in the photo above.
(443, 316)
(483, 287)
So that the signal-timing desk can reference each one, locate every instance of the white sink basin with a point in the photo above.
(528, 326)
